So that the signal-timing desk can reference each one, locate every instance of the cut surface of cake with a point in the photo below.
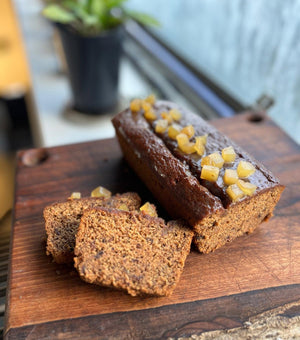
(196, 172)
(62, 221)
(132, 251)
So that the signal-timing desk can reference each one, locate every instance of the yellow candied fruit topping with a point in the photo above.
(136, 105)
(166, 115)
(245, 169)
(206, 161)
(174, 130)
(214, 159)
(210, 173)
(175, 114)
(228, 154)
(200, 148)
(247, 187)
(150, 115)
(201, 139)
(123, 206)
(230, 176)
(182, 139)
(101, 192)
(161, 125)
(146, 106)
(234, 192)
(200, 144)
(188, 148)
(184, 144)
(75, 195)
(188, 130)
(217, 159)
(151, 99)
(149, 209)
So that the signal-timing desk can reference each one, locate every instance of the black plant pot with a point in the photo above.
(93, 67)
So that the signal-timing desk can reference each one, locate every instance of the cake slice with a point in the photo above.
(131, 251)
(184, 161)
(62, 221)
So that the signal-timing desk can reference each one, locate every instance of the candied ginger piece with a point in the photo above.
(210, 173)
(166, 115)
(146, 106)
(228, 154)
(182, 139)
(201, 139)
(217, 160)
(189, 131)
(175, 114)
(200, 145)
(149, 209)
(136, 105)
(234, 192)
(184, 144)
(174, 130)
(75, 195)
(247, 187)
(123, 206)
(200, 148)
(188, 148)
(245, 169)
(161, 125)
(101, 192)
(230, 176)
(206, 161)
(150, 115)
(151, 99)
(214, 159)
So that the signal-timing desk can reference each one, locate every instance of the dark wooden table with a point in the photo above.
(222, 290)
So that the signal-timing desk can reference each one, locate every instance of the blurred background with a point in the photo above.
(217, 58)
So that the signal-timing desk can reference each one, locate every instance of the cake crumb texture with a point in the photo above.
(62, 221)
(131, 251)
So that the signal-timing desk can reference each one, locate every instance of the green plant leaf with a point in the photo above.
(70, 4)
(90, 20)
(83, 4)
(86, 18)
(97, 7)
(58, 14)
(89, 17)
(114, 3)
(142, 18)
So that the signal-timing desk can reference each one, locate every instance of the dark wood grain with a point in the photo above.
(252, 274)
(174, 321)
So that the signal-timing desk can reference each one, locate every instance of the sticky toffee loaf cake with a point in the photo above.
(131, 250)
(62, 221)
(196, 172)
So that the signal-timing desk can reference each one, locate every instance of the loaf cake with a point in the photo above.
(132, 251)
(196, 172)
(62, 220)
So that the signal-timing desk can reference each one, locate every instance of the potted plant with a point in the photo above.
(92, 32)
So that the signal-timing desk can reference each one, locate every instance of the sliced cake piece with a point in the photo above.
(131, 251)
(62, 221)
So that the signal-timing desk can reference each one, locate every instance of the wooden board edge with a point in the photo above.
(185, 319)
(9, 267)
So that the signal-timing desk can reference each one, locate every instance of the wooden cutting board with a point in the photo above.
(221, 290)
